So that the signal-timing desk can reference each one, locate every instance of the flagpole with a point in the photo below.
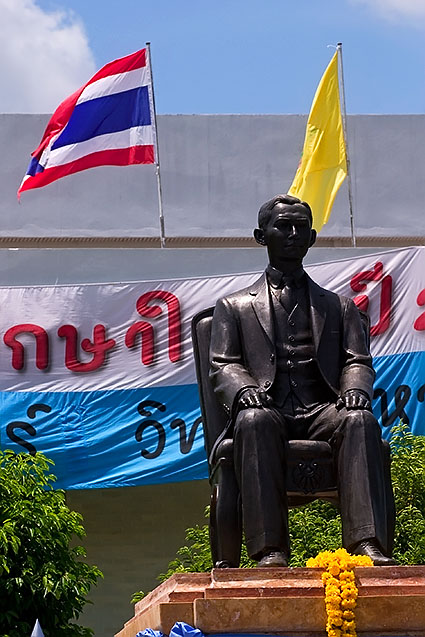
(157, 164)
(344, 129)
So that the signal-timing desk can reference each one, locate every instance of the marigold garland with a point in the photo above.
(340, 589)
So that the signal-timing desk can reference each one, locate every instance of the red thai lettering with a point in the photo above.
(419, 324)
(147, 309)
(359, 284)
(98, 347)
(174, 321)
(18, 350)
(146, 332)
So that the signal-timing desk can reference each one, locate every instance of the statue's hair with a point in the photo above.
(265, 211)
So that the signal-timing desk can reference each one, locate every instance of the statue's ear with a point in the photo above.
(259, 236)
(313, 236)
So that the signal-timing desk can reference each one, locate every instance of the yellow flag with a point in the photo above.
(323, 164)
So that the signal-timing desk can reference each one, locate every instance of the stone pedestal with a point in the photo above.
(286, 601)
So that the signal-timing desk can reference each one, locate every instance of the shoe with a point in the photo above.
(223, 564)
(272, 559)
(369, 548)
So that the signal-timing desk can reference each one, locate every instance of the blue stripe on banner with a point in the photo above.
(399, 391)
(121, 438)
(108, 114)
(106, 439)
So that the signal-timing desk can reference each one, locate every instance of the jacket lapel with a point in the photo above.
(261, 306)
(317, 311)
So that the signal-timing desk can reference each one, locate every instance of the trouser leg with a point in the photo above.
(366, 498)
(260, 466)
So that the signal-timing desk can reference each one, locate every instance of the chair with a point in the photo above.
(310, 473)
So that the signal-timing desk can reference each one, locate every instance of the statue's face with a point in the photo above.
(288, 234)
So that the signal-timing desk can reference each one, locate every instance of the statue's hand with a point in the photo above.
(253, 398)
(354, 399)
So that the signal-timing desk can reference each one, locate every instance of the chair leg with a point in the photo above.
(225, 518)
(213, 525)
(389, 497)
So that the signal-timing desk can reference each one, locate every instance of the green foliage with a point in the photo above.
(316, 526)
(137, 597)
(408, 477)
(313, 528)
(41, 575)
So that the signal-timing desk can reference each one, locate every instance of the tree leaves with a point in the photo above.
(408, 477)
(41, 575)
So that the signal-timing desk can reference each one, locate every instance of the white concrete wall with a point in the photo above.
(216, 171)
(56, 266)
(132, 534)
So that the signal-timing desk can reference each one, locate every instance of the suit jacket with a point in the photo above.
(242, 351)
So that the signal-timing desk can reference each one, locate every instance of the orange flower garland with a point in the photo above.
(340, 589)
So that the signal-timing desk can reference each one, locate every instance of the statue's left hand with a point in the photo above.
(253, 397)
(354, 399)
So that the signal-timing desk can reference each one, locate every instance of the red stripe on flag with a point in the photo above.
(58, 121)
(63, 112)
(120, 157)
(122, 65)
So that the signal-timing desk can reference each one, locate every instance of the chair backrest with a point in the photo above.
(366, 326)
(214, 418)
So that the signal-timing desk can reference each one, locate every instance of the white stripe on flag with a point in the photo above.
(136, 136)
(115, 84)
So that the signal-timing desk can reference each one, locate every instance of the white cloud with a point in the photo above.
(396, 8)
(44, 57)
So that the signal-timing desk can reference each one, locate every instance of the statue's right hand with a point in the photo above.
(253, 397)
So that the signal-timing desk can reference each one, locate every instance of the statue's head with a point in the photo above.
(285, 229)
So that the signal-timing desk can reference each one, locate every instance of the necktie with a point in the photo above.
(288, 294)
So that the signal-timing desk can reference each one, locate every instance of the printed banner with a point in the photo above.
(101, 378)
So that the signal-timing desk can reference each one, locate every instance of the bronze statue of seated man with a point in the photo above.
(290, 361)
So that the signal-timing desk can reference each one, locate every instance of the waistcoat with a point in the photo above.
(298, 384)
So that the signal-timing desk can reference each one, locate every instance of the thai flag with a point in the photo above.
(108, 121)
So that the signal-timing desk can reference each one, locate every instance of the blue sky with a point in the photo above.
(230, 56)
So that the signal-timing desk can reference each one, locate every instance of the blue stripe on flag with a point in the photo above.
(34, 167)
(104, 115)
